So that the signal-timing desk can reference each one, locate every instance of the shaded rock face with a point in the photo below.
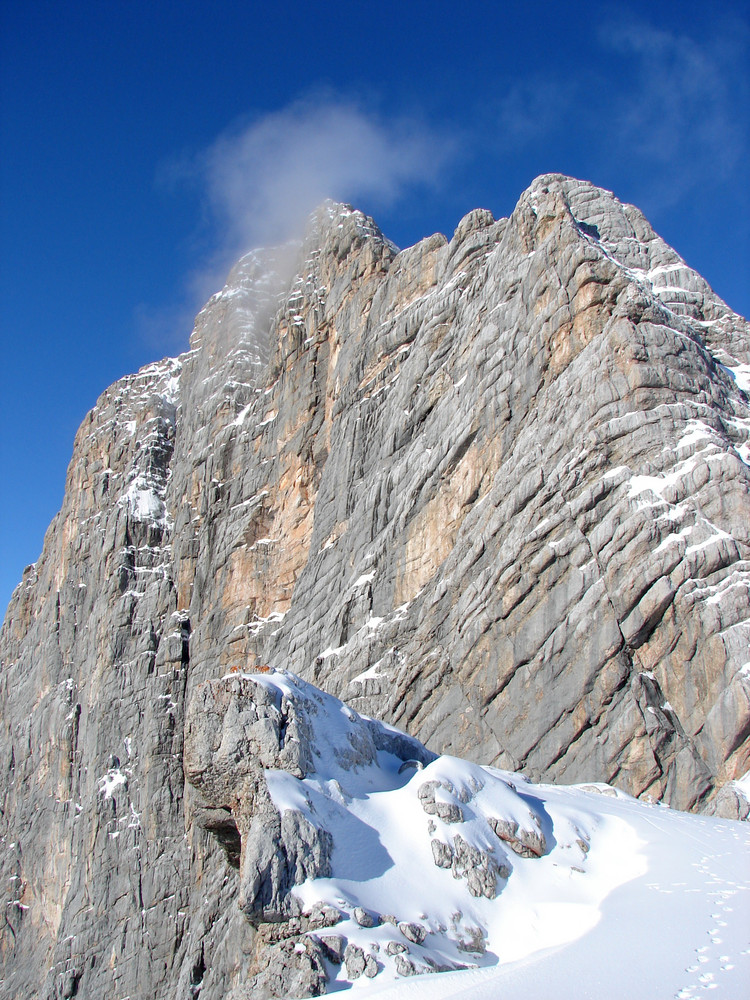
(236, 730)
(493, 490)
(243, 735)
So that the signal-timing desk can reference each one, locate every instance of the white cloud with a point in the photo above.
(265, 178)
(261, 179)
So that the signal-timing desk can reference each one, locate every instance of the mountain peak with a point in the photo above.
(492, 490)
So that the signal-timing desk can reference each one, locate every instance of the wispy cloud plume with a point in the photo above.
(263, 179)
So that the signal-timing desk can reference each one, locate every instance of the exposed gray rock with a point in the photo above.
(479, 868)
(526, 843)
(412, 931)
(371, 966)
(449, 812)
(396, 948)
(441, 853)
(234, 729)
(471, 939)
(731, 802)
(405, 966)
(493, 489)
(354, 958)
(359, 963)
(363, 918)
(333, 947)
(287, 970)
(322, 915)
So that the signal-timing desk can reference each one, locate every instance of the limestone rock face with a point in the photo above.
(493, 490)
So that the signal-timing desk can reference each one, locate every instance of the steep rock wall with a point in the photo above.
(494, 490)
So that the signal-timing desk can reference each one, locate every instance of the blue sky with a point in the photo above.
(143, 146)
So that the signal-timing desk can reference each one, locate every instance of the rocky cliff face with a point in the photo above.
(493, 490)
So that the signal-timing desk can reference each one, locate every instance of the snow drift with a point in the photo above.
(373, 859)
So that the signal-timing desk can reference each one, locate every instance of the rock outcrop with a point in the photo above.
(493, 490)
(337, 814)
(237, 730)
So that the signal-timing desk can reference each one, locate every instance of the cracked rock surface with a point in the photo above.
(492, 489)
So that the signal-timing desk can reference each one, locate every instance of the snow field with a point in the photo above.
(530, 890)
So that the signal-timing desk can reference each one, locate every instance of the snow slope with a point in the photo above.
(532, 890)
(678, 929)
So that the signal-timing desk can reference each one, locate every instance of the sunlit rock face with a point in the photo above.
(493, 490)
